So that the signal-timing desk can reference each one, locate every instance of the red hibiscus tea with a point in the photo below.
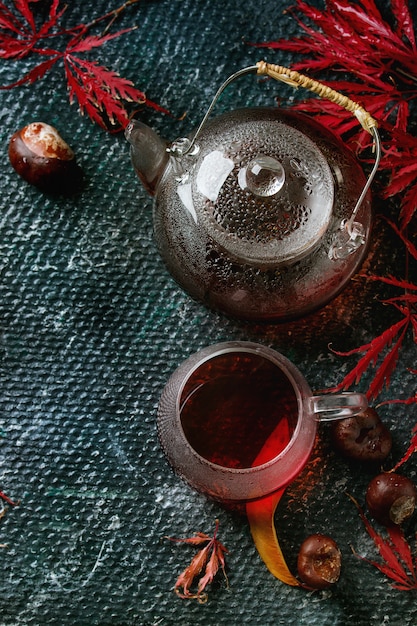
(238, 420)
(232, 403)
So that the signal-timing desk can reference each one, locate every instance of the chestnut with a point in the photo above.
(319, 561)
(391, 498)
(42, 158)
(362, 437)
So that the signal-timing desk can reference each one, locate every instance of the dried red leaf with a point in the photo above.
(7, 499)
(210, 558)
(196, 540)
(216, 559)
(186, 578)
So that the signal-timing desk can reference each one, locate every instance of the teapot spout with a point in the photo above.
(148, 154)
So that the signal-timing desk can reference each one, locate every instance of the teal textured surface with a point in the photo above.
(92, 326)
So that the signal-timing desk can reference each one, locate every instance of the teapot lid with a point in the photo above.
(261, 188)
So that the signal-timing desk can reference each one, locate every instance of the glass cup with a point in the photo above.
(238, 421)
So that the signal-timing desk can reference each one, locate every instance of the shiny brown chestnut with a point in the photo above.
(42, 158)
(391, 498)
(363, 437)
(319, 561)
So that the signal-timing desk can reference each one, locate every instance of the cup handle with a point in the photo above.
(327, 408)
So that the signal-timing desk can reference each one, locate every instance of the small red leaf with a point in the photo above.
(412, 448)
(54, 17)
(399, 564)
(93, 41)
(23, 7)
(7, 499)
(35, 74)
(211, 557)
(8, 20)
(383, 375)
(372, 351)
(101, 93)
(403, 177)
(408, 244)
(404, 20)
(401, 546)
(396, 282)
(409, 207)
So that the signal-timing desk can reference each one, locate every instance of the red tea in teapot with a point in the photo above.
(232, 403)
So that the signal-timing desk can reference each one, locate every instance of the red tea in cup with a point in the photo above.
(232, 403)
(238, 420)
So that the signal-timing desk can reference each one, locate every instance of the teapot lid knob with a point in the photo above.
(264, 176)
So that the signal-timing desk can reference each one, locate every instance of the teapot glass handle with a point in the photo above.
(351, 235)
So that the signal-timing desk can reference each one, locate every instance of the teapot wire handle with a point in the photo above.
(351, 235)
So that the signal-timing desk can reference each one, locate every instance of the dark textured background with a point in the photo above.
(91, 328)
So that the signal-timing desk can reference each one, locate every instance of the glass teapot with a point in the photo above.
(262, 213)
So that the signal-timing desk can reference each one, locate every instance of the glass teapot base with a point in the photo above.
(263, 296)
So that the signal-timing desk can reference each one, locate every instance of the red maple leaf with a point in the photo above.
(378, 60)
(390, 340)
(353, 37)
(412, 447)
(398, 562)
(401, 161)
(100, 92)
(19, 34)
(382, 352)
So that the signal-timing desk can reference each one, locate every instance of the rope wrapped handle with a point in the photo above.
(293, 78)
